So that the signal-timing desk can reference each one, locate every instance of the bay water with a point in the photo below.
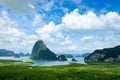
(45, 62)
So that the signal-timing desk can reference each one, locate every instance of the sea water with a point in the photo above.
(45, 62)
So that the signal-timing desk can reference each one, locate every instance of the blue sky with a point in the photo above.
(66, 26)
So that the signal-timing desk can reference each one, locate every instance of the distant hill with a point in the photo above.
(68, 55)
(4, 52)
(23, 54)
(85, 54)
(27, 54)
(106, 54)
(41, 52)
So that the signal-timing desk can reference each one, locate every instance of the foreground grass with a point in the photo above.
(92, 71)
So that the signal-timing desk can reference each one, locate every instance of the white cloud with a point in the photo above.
(57, 41)
(37, 21)
(85, 38)
(12, 38)
(70, 48)
(50, 32)
(90, 20)
(32, 6)
(67, 41)
(91, 43)
(57, 37)
(65, 10)
(48, 5)
(5, 19)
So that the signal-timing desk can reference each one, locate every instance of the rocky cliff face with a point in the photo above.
(41, 52)
(62, 58)
(107, 54)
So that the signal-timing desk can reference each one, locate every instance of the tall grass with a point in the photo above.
(91, 71)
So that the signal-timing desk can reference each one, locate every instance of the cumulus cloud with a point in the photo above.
(93, 42)
(67, 41)
(76, 21)
(90, 20)
(50, 32)
(85, 38)
(65, 10)
(57, 37)
(12, 38)
(5, 19)
(37, 21)
(54, 37)
(47, 5)
(70, 48)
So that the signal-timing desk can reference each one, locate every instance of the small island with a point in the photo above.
(41, 52)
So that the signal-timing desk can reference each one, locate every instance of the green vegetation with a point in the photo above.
(106, 54)
(41, 52)
(10, 63)
(74, 71)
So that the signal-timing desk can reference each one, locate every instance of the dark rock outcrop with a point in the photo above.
(16, 56)
(62, 58)
(21, 54)
(24, 54)
(41, 52)
(106, 54)
(73, 59)
(4, 52)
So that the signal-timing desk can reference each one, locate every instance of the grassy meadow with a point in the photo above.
(16, 70)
